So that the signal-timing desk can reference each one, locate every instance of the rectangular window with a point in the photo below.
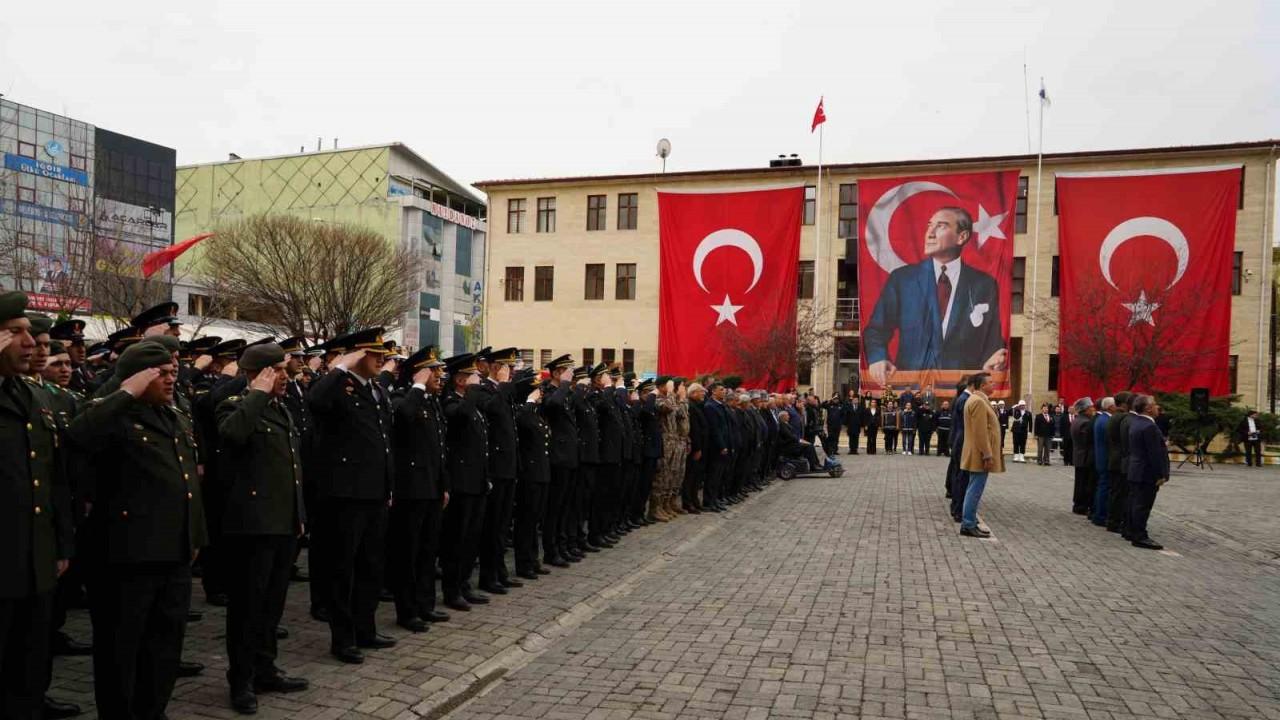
(804, 283)
(546, 215)
(1020, 207)
(462, 251)
(848, 225)
(597, 206)
(515, 215)
(26, 149)
(26, 240)
(514, 284)
(25, 193)
(1053, 278)
(607, 356)
(1053, 372)
(526, 356)
(1233, 370)
(1237, 272)
(75, 205)
(78, 162)
(628, 210)
(804, 369)
(594, 285)
(198, 304)
(544, 357)
(543, 282)
(628, 360)
(810, 204)
(1019, 286)
(626, 285)
(588, 356)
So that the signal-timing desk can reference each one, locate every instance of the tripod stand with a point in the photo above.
(1198, 458)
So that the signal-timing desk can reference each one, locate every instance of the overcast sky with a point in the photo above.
(530, 89)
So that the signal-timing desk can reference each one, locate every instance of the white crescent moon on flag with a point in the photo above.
(1139, 227)
(882, 213)
(728, 237)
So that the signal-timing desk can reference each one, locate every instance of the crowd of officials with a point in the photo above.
(134, 464)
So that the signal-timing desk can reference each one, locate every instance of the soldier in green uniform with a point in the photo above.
(71, 333)
(147, 525)
(262, 466)
(35, 519)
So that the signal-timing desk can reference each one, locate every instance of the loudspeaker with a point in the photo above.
(1200, 401)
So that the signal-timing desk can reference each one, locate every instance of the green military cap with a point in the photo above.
(261, 355)
(40, 324)
(56, 347)
(168, 342)
(12, 305)
(255, 343)
(141, 356)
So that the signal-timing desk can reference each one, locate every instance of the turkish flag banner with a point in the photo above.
(935, 276)
(727, 298)
(1145, 279)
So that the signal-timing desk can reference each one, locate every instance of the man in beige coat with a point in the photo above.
(981, 452)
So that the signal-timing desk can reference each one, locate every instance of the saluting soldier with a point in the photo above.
(71, 334)
(589, 462)
(353, 415)
(295, 401)
(651, 452)
(468, 464)
(559, 414)
(159, 320)
(611, 433)
(147, 525)
(629, 402)
(497, 403)
(421, 491)
(533, 471)
(262, 467)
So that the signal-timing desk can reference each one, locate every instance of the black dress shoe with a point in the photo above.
(282, 632)
(63, 644)
(458, 604)
(377, 642)
(589, 547)
(541, 570)
(244, 701)
(1148, 544)
(557, 561)
(280, 684)
(976, 532)
(348, 655)
(510, 583)
(189, 669)
(194, 616)
(320, 614)
(527, 574)
(54, 709)
(299, 575)
(573, 557)
(474, 598)
(385, 595)
(435, 616)
(693, 510)
(217, 599)
(413, 624)
(492, 588)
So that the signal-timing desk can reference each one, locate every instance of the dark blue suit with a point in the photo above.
(957, 479)
(1148, 463)
(908, 306)
(719, 453)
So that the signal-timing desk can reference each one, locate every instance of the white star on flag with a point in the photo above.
(727, 311)
(1140, 311)
(988, 226)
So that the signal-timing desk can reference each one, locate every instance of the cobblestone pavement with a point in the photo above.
(829, 598)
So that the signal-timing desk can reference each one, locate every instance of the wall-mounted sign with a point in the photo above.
(120, 220)
(457, 218)
(40, 213)
(54, 148)
(31, 166)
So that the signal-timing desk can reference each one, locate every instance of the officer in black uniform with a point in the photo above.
(629, 401)
(584, 486)
(159, 320)
(533, 472)
(650, 450)
(353, 415)
(262, 466)
(619, 393)
(146, 525)
(497, 404)
(559, 414)
(609, 455)
(295, 401)
(468, 463)
(421, 491)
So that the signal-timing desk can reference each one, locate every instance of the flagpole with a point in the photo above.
(1035, 243)
(817, 242)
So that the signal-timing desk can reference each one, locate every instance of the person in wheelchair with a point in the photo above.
(791, 446)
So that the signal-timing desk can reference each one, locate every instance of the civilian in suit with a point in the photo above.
(1044, 427)
(1117, 465)
(1250, 433)
(1081, 432)
(871, 424)
(1062, 431)
(695, 464)
(719, 451)
(1148, 469)
(853, 413)
(980, 454)
(1100, 462)
(945, 314)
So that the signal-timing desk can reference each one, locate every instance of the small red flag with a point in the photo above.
(819, 116)
(158, 259)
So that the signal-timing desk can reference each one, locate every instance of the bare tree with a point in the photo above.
(773, 354)
(317, 279)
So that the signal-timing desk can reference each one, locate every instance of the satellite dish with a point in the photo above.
(664, 149)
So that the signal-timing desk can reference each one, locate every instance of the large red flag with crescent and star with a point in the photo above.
(1145, 278)
(935, 268)
(727, 292)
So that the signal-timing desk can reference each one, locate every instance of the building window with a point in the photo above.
(595, 282)
(1020, 207)
(804, 284)
(597, 206)
(515, 215)
(462, 251)
(526, 356)
(26, 193)
(588, 356)
(848, 225)
(628, 360)
(607, 356)
(628, 210)
(626, 286)
(810, 204)
(26, 240)
(1053, 372)
(1019, 285)
(1053, 278)
(543, 282)
(804, 369)
(1233, 369)
(544, 358)
(1237, 272)
(78, 162)
(75, 205)
(546, 215)
(26, 149)
(198, 305)
(514, 284)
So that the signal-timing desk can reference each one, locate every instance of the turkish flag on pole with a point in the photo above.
(727, 299)
(158, 259)
(819, 116)
(1145, 279)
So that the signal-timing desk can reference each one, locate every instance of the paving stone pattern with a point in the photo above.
(839, 598)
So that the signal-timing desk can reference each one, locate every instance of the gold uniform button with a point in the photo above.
(38, 510)
(253, 493)
(189, 496)
(179, 458)
(33, 454)
(35, 483)
(186, 476)
(124, 513)
(29, 426)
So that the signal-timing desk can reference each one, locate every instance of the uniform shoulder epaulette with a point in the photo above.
(235, 398)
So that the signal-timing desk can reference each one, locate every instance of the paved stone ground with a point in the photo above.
(850, 597)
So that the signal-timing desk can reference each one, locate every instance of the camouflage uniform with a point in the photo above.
(674, 417)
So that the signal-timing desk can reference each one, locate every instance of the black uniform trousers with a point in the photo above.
(554, 511)
(1253, 453)
(959, 483)
(713, 487)
(944, 441)
(354, 554)
(259, 583)
(604, 495)
(582, 489)
(215, 566)
(139, 614)
(694, 478)
(413, 543)
(627, 492)
(1142, 497)
(1019, 443)
(317, 529)
(531, 506)
(24, 655)
(1117, 501)
(499, 505)
(644, 488)
(1082, 494)
(462, 523)
(855, 434)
